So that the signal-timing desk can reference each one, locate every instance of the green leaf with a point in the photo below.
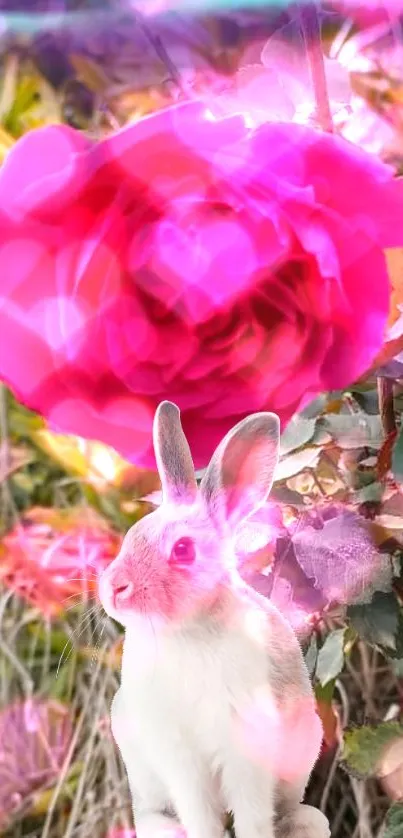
(311, 655)
(356, 430)
(24, 100)
(364, 746)
(396, 559)
(41, 800)
(321, 436)
(325, 693)
(372, 492)
(315, 408)
(58, 638)
(394, 821)
(60, 685)
(367, 400)
(397, 457)
(378, 621)
(297, 462)
(24, 423)
(297, 433)
(397, 667)
(330, 660)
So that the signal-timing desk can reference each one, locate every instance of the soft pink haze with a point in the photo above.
(186, 257)
(35, 736)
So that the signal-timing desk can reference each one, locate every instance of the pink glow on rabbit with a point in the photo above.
(215, 712)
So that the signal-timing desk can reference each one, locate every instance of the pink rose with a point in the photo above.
(190, 258)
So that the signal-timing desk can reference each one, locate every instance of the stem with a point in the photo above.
(162, 53)
(312, 36)
(386, 406)
(5, 458)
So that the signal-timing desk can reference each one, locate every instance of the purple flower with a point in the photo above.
(34, 739)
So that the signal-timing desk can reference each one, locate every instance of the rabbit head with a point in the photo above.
(175, 561)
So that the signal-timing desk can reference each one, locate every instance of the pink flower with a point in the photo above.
(49, 563)
(191, 258)
(34, 739)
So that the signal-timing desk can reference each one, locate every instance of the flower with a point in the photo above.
(35, 736)
(192, 258)
(50, 559)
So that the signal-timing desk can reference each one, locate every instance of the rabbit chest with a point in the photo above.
(190, 684)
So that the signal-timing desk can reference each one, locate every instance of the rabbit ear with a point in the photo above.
(172, 453)
(240, 474)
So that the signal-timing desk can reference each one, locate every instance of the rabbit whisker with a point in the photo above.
(86, 620)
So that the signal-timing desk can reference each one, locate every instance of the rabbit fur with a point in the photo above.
(215, 712)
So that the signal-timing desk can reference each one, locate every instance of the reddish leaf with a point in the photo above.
(384, 462)
(330, 721)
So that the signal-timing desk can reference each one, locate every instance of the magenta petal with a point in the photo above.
(358, 336)
(43, 169)
(194, 259)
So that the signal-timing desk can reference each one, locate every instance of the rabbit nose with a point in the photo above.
(122, 592)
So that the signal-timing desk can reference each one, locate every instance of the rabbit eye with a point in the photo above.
(183, 551)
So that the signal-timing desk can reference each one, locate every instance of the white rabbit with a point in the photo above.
(215, 712)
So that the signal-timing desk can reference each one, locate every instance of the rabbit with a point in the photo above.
(215, 712)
